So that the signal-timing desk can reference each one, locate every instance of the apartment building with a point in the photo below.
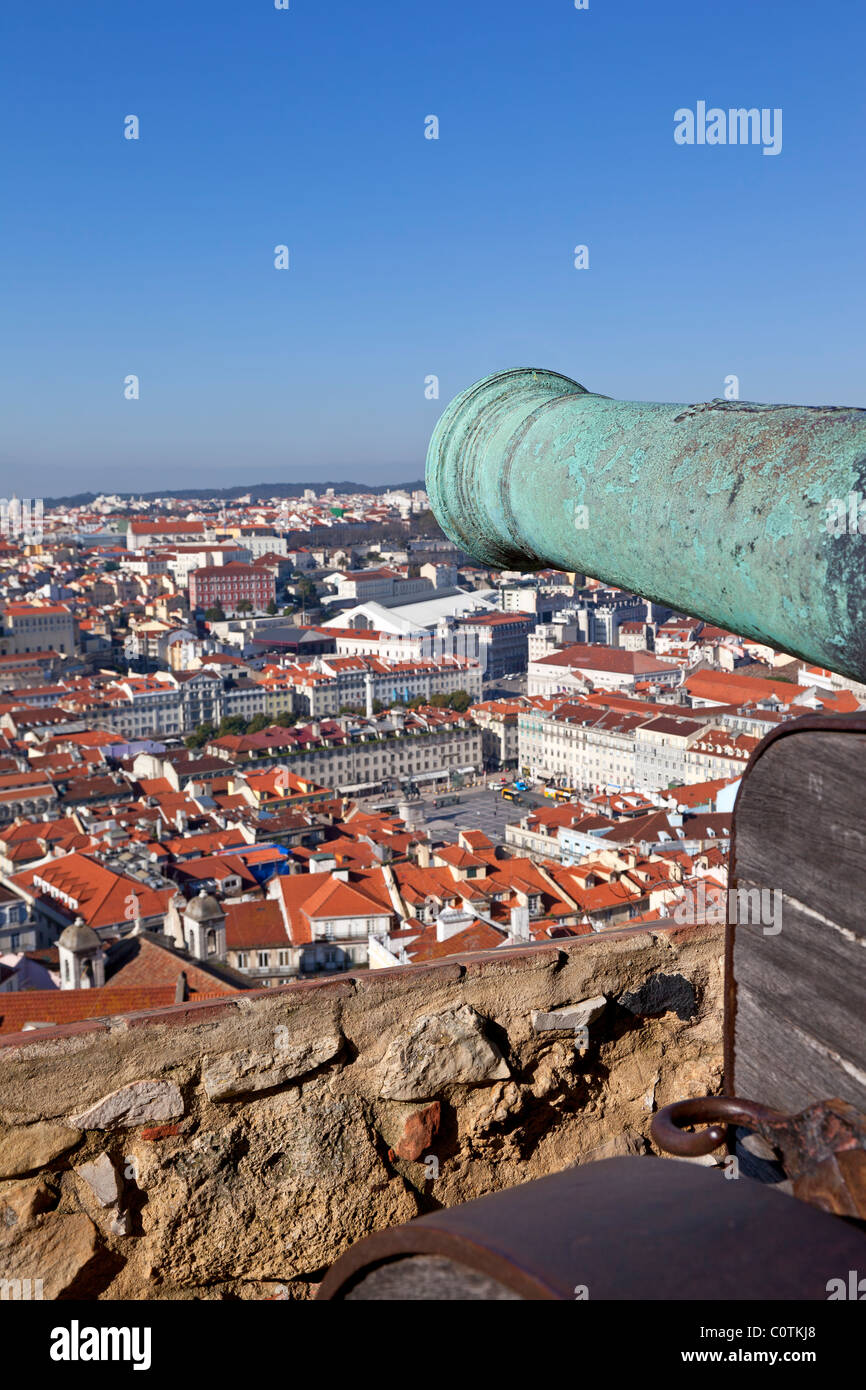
(530, 598)
(152, 704)
(503, 641)
(718, 753)
(354, 753)
(308, 923)
(182, 561)
(144, 533)
(261, 541)
(661, 748)
(242, 697)
(609, 668)
(328, 684)
(37, 627)
(551, 637)
(578, 746)
(58, 891)
(163, 703)
(585, 747)
(441, 573)
(498, 722)
(378, 585)
(200, 696)
(635, 636)
(229, 586)
(26, 793)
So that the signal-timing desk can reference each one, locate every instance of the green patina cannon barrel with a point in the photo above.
(746, 515)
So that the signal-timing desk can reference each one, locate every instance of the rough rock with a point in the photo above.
(22, 1203)
(142, 1102)
(272, 1195)
(571, 1017)
(626, 1144)
(63, 1251)
(103, 1180)
(28, 1147)
(441, 1049)
(240, 1201)
(243, 1073)
(418, 1132)
(499, 1104)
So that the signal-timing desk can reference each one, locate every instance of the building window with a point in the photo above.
(264, 959)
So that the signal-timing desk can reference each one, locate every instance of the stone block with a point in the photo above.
(25, 1148)
(140, 1103)
(244, 1072)
(441, 1049)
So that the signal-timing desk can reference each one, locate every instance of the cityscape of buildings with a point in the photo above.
(247, 742)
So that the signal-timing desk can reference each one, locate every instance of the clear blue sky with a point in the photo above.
(408, 256)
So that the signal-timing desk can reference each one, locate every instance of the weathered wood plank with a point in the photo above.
(798, 1016)
(805, 983)
(800, 823)
(783, 1068)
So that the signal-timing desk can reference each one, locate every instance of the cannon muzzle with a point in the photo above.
(748, 516)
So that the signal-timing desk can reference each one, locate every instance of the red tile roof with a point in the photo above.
(73, 1005)
(153, 966)
(253, 924)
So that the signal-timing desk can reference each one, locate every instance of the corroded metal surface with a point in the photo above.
(623, 1228)
(823, 1149)
(727, 510)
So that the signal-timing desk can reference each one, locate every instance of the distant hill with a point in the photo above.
(254, 490)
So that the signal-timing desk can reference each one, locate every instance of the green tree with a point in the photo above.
(245, 606)
(257, 723)
(202, 735)
(215, 614)
(232, 724)
(271, 608)
(306, 589)
(459, 700)
(285, 718)
(439, 700)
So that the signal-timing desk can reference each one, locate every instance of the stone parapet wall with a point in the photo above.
(235, 1147)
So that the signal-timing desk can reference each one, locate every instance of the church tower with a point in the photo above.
(82, 961)
(204, 928)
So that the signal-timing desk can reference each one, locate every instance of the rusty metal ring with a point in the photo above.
(667, 1128)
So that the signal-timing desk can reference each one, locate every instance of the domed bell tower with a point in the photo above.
(82, 960)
